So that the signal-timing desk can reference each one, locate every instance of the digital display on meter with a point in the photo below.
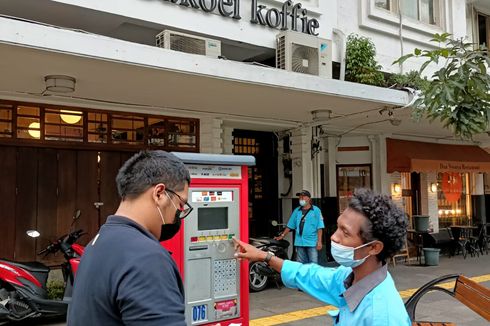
(212, 218)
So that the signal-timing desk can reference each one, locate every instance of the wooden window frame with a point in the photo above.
(85, 144)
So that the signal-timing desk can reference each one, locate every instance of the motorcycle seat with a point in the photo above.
(34, 266)
(270, 241)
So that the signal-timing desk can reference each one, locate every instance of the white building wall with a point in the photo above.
(196, 20)
(211, 136)
(383, 27)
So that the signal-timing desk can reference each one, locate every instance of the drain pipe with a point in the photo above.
(341, 36)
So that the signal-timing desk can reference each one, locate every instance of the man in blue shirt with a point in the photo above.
(125, 276)
(368, 232)
(307, 221)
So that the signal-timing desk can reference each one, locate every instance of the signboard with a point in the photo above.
(291, 16)
(215, 171)
(449, 166)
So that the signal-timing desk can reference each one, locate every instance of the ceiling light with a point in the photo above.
(34, 130)
(60, 83)
(395, 122)
(70, 117)
(321, 115)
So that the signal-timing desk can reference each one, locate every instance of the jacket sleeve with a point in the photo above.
(149, 292)
(324, 284)
(321, 224)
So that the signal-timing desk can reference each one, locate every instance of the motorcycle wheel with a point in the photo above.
(256, 281)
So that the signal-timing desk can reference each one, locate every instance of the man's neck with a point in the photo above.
(369, 266)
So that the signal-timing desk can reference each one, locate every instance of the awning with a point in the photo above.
(410, 156)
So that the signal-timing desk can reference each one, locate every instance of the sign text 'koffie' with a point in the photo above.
(291, 16)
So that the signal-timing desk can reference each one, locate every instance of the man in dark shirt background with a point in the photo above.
(125, 276)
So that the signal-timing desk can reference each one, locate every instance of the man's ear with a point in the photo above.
(376, 248)
(158, 190)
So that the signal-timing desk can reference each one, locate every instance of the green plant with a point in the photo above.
(55, 289)
(360, 62)
(459, 92)
(411, 79)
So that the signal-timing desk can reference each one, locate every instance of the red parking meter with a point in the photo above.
(216, 284)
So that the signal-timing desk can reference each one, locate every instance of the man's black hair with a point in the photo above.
(148, 168)
(386, 222)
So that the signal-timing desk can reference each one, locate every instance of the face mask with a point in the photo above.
(168, 231)
(302, 202)
(345, 255)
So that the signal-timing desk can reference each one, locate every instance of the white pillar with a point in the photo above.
(301, 160)
(375, 171)
(210, 136)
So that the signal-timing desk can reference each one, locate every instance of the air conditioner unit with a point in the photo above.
(188, 43)
(304, 53)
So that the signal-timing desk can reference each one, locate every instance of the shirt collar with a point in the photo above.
(118, 219)
(356, 292)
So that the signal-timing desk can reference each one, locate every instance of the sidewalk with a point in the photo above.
(291, 307)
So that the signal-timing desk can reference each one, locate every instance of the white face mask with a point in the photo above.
(302, 202)
(345, 255)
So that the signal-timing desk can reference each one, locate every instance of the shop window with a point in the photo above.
(51, 124)
(63, 125)
(127, 129)
(426, 11)
(453, 198)
(181, 133)
(97, 127)
(349, 178)
(483, 31)
(6, 121)
(245, 145)
(28, 122)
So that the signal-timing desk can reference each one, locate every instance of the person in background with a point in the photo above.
(368, 233)
(125, 276)
(307, 221)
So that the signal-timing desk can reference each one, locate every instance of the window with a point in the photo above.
(350, 177)
(426, 11)
(453, 198)
(483, 26)
(29, 123)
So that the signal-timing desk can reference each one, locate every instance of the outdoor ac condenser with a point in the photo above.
(303, 53)
(188, 43)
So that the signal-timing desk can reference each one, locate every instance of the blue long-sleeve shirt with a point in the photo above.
(373, 301)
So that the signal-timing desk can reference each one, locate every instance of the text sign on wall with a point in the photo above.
(291, 16)
(215, 171)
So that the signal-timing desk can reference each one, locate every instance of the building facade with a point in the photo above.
(87, 83)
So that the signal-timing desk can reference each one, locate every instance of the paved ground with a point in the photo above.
(290, 307)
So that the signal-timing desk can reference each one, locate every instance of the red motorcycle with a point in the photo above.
(23, 292)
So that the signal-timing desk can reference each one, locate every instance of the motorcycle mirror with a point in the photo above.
(33, 233)
(274, 223)
(77, 214)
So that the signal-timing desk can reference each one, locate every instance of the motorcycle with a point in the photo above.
(260, 274)
(23, 292)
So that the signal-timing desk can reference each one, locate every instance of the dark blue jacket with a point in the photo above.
(126, 277)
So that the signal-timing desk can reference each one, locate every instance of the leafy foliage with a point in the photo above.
(361, 65)
(411, 79)
(55, 289)
(459, 92)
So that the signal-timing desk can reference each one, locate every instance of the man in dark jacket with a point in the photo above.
(125, 276)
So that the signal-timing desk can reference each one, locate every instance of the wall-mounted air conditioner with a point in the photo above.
(304, 53)
(188, 43)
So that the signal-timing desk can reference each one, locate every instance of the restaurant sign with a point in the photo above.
(291, 16)
(449, 166)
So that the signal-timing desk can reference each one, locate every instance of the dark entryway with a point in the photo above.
(41, 189)
(263, 189)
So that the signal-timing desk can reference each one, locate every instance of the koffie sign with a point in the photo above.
(290, 16)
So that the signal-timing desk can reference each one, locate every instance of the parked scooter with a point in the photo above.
(260, 274)
(23, 292)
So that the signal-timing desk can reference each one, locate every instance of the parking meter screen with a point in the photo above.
(212, 218)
